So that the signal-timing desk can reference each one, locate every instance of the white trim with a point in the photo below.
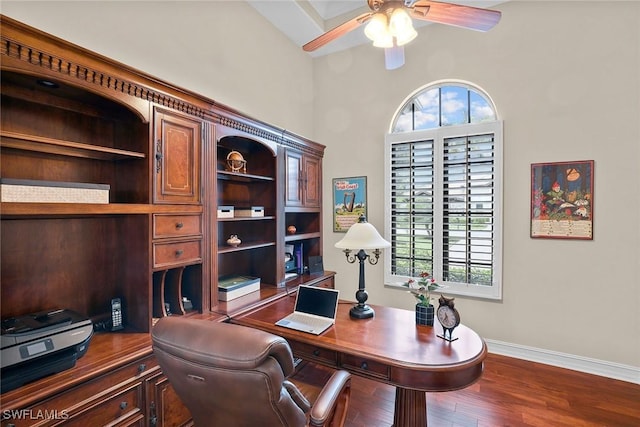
(568, 361)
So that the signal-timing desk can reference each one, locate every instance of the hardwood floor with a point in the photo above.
(511, 392)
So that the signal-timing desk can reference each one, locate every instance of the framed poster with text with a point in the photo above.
(349, 201)
(562, 200)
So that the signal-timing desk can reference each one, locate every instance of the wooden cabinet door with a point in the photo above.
(178, 141)
(312, 188)
(303, 180)
(293, 178)
(165, 407)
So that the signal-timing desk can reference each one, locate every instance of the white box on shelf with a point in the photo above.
(225, 211)
(253, 212)
(234, 286)
(37, 191)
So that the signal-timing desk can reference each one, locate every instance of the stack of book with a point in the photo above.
(234, 286)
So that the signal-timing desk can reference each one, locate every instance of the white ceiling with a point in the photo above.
(304, 20)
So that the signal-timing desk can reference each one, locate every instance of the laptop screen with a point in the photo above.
(318, 301)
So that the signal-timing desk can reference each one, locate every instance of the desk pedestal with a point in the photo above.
(410, 408)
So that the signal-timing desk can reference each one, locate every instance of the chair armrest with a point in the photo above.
(297, 397)
(333, 399)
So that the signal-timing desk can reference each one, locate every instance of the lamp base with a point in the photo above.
(361, 312)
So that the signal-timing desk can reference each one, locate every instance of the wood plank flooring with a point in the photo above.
(511, 392)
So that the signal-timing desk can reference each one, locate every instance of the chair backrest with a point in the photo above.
(227, 375)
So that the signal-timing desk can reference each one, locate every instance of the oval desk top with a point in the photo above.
(417, 358)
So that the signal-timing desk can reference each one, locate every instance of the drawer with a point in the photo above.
(325, 283)
(96, 402)
(365, 367)
(176, 225)
(317, 354)
(125, 406)
(177, 253)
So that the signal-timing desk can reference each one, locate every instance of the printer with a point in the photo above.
(40, 344)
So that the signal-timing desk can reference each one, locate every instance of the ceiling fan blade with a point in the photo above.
(473, 18)
(336, 32)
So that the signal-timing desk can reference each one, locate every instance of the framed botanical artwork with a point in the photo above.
(349, 201)
(562, 200)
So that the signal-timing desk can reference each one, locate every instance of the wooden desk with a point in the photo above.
(389, 348)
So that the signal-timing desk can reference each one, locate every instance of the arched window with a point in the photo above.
(444, 190)
(444, 104)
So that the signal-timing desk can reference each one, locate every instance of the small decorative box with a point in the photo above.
(225, 211)
(253, 211)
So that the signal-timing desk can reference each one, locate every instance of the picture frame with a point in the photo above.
(349, 201)
(562, 200)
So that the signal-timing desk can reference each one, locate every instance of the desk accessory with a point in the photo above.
(234, 240)
(236, 162)
(362, 236)
(448, 317)
(315, 264)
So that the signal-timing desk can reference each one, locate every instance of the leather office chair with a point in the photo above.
(231, 375)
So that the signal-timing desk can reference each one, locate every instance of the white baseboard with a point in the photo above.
(569, 361)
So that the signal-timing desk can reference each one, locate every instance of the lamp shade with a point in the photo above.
(362, 235)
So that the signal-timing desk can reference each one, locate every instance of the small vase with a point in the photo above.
(424, 314)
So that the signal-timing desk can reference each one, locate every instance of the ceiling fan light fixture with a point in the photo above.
(401, 27)
(376, 29)
(385, 40)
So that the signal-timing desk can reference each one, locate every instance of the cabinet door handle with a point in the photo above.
(159, 155)
(179, 253)
(179, 225)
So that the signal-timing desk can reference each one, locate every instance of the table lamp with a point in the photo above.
(361, 237)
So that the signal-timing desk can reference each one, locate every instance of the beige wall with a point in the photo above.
(221, 49)
(564, 94)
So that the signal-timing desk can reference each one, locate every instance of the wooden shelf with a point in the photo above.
(87, 209)
(243, 177)
(244, 247)
(65, 148)
(302, 236)
(246, 218)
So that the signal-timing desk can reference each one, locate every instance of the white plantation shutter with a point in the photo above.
(412, 207)
(444, 207)
(468, 209)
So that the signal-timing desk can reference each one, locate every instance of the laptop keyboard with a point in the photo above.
(313, 322)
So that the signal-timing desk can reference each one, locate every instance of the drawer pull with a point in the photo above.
(316, 352)
(179, 253)
(123, 405)
(179, 225)
(142, 367)
(364, 366)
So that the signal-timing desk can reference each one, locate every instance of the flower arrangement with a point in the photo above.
(421, 289)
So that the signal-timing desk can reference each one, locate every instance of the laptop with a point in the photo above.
(314, 312)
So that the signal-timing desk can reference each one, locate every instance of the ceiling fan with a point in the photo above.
(389, 24)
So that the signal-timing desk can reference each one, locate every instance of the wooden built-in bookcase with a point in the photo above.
(71, 115)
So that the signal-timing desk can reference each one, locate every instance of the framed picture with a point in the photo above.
(349, 201)
(562, 200)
